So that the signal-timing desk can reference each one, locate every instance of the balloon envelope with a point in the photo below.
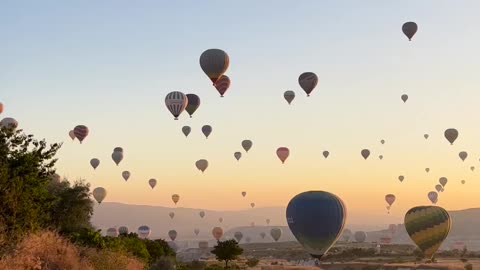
(1, 108)
(222, 84)
(202, 214)
(244, 193)
(143, 231)
(176, 103)
(451, 135)
(112, 232)
(172, 234)
(152, 182)
(126, 175)
(123, 230)
(409, 29)
(217, 233)
(365, 153)
(202, 165)
(289, 96)
(283, 153)
(94, 162)
(360, 236)
(276, 233)
(428, 227)
(404, 97)
(118, 149)
(443, 181)
(326, 154)
(186, 130)
(238, 236)
(196, 231)
(175, 198)
(206, 130)
(308, 81)
(117, 157)
(99, 194)
(192, 104)
(81, 132)
(237, 155)
(71, 134)
(247, 145)
(401, 178)
(214, 62)
(390, 199)
(433, 197)
(316, 219)
(171, 214)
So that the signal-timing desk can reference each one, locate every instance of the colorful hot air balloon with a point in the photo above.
(126, 175)
(247, 145)
(222, 84)
(463, 155)
(433, 197)
(176, 103)
(316, 219)
(451, 135)
(217, 233)
(143, 231)
(401, 178)
(192, 104)
(238, 236)
(283, 153)
(196, 231)
(409, 29)
(244, 193)
(123, 230)
(81, 132)
(360, 236)
(390, 199)
(276, 233)
(428, 227)
(214, 62)
(171, 214)
(152, 182)
(326, 154)
(308, 81)
(117, 157)
(237, 155)
(175, 198)
(443, 181)
(404, 98)
(94, 162)
(172, 234)
(365, 153)
(186, 130)
(99, 194)
(289, 96)
(71, 134)
(202, 164)
(112, 232)
(207, 130)
(252, 205)
(263, 234)
(202, 214)
(1, 108)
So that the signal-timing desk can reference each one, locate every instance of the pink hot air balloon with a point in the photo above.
(217, 233)
(390, 199)
(81, 132)
(283, 153)
(71, 133)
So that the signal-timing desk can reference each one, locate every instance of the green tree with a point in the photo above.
(26, 169)
(227, 251)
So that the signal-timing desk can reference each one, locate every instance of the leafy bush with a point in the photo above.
(252, 262)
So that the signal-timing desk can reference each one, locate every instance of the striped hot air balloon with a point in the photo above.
(214, 62)
(144, 231)
(176, 103)
(222, 84)
(81, 132)
(308, 81)
(428, 226)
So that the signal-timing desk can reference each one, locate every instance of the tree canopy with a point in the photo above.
(227, 251)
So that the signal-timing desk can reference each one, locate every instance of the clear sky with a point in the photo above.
(109, 65)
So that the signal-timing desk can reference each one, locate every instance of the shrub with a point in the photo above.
(252, 262)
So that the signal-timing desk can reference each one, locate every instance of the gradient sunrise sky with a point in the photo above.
(110, 64)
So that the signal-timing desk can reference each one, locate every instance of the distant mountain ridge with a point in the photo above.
(465, 227)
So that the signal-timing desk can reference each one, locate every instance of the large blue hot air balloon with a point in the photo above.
(316, 219)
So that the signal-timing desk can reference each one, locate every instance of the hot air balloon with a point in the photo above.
(71, 134)
(112, 232)
(186, 130)
(401, 178)
(428, 226)
(222, 84)
(247, 145)
(171, 214)
(316, 219)
(238, 236)
(390, 199)
(409, 29)
(380, 157)
(360, 236)
(433, 197)
(252, 205)
(118, 149)
(263, 234)
(346, 235)
(365, 153)
(268, 221)
(220, 219)
(117, 157)
(214, 62)
(202, 214)
(192, 104)
(196, 231)
(326, 154)
(425, 136)
(283, 153)
(206, 130)
(1, 108)
(427, 170)
(451, 135)
(176, 103)
(202, 165)
(443, 181)
(123, 230)
(217, 233)
(152, 182)
(463, 182)
(175, 198)
(308, 81)
(289, 96)
(81, 132)
(99, 194)
(404, 98)
(126, 175)
(237, 155)
(463, 155)
(439, 188)
(94, 162)
(382, 141)
(472, 168)
(143, 231)
(172, 234)
(244, 193)
(276, 233)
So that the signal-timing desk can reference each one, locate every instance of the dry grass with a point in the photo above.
(49, 251)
